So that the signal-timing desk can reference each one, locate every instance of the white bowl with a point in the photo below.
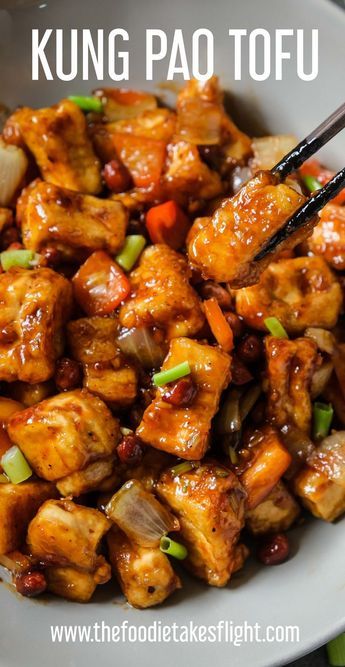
(308, 590)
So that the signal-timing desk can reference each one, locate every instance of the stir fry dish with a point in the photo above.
(165, 395)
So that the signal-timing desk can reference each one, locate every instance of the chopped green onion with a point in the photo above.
(233, 455)
(175, 549)
(23, 258)
(87, 103)
(133, 247)
(322, 419)
(336, 651)
(311, 183)
(186, 466)
(275, 327)
(171, 374)
(15, 465)
(3, 479)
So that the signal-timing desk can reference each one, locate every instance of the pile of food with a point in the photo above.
(164, 395)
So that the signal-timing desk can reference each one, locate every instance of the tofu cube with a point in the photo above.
(18, 505)
(184, 431)
(209, 504)
(35, 304)
(145, 574)
(65, 433)
(74, 223)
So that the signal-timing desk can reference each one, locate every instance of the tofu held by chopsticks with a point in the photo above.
(224, 247)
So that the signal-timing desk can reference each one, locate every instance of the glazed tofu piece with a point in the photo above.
(209, 504)
(301, 292)
(322, 497)
(290, 368)
(89, 479)
(161, 294)
(57, 137)
(93, 339)
(263, 460)
(65, 433)
(187, 173)
(225, 249)
(276, 513)
(328, 237)
(107, 373)
(145, 574)
(75, 224)
(35, 304)
(18, 505)
(69, 535)
(30, 394)
(115, 382)
(76, 585)
(184, 431)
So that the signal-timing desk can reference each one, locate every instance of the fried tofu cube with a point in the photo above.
(65, 433)
(145, 574)
(57, 137)
(66, 534)
(76, 585)
(209, 504)
(225, 249)
(161, 294)
(184, 431)
(187, 173)
(115, 382)
(328, 237)
(93, 339)
(35, 304)
(106, 372)
(30, 394)
(322, 497)
(276, 513)
(301, 292)
(18, 505)
(74, 223)
(290, 368)
(264, 459)
(87, 480)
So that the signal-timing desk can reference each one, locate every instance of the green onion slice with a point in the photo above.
(311, 183)
(87, 103)
(275, 327)
(15, 465)
(133, 247)
(172, 374)
(322, 419)
(23, 258)
(186, 466)
(172, 548)
(336, 651)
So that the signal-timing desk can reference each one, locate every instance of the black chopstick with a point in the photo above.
(304, 213)
(311, 144)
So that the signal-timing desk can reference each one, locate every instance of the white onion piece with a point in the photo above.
(329, 457)
(141, 344)
(13, 165)
(320, 379)
(140, 515)
(324, 339)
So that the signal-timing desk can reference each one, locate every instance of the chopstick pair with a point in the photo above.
(290, 162)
